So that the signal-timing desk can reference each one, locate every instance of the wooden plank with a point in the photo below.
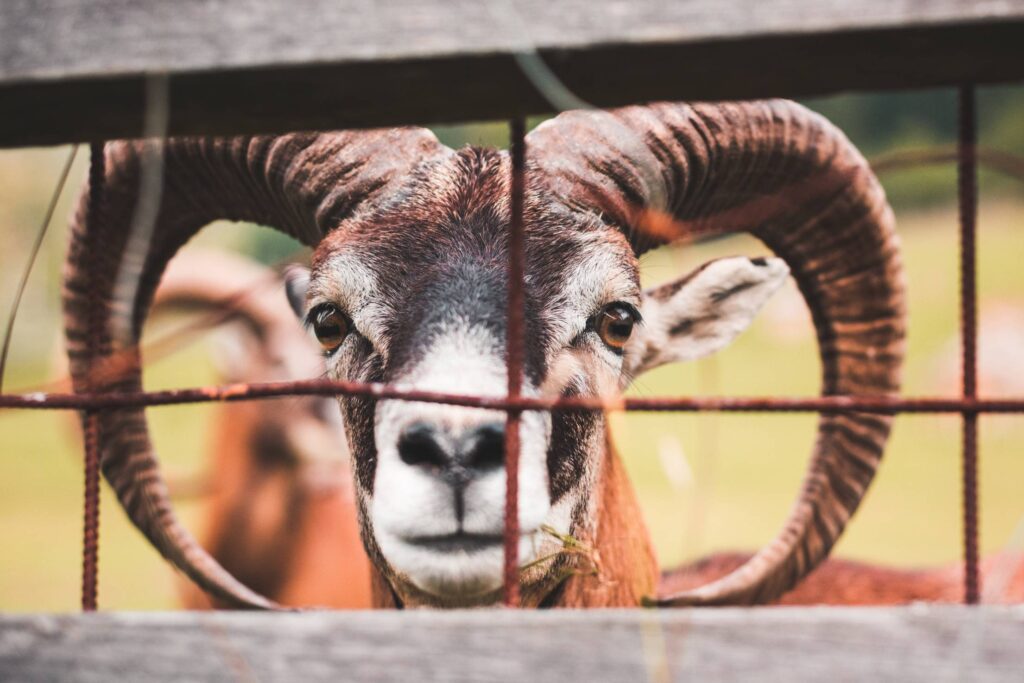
(72, 70)
(921, 643)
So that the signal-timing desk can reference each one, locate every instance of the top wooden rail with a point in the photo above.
(75, 70)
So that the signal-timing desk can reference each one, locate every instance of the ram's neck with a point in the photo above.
(625, 568)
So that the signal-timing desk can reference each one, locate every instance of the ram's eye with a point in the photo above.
(329, 325)
(614, 324)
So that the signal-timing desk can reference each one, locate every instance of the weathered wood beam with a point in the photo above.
(72, 70)
(924, 643)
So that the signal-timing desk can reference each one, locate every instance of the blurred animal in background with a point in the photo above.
(278, 508)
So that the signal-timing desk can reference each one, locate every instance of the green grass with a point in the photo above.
(744, 469)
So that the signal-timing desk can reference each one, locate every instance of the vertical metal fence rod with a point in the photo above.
(968, 202)
(91, 511)
(514, 349)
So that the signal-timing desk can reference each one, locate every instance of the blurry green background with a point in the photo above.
(707, 483)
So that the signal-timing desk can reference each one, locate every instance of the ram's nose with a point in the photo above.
(456, 458)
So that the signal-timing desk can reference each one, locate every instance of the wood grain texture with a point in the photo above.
(73, 70)
(923, 643)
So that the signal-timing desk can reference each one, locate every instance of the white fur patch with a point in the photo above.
(409, 503)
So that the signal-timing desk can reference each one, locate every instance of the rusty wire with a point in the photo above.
(883, 405)
(91, 508)
(967, 196)
(515, 348)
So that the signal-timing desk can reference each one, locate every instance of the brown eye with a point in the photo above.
(329, 326)
(614, 324)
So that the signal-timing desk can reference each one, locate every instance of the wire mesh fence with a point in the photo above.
(969, 405)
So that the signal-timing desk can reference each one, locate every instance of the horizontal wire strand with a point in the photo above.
(316, 387)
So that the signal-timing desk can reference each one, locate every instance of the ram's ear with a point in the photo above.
(703, 311)
(296, 282)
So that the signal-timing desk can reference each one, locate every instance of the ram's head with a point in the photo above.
(408, 287)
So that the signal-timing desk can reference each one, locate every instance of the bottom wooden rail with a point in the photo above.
(925, 642)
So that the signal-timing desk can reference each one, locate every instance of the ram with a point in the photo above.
(408, 287)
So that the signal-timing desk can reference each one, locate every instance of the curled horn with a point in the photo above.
(786, 175)
(305, 185)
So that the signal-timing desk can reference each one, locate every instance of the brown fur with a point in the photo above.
(624, 568)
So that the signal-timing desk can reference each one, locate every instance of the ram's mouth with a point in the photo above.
(460, 542)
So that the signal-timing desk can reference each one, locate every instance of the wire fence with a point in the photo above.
(969, 405)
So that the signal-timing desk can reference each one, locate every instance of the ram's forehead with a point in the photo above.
(599, 269)
(344, 276)
(349, 278)
(602, 263)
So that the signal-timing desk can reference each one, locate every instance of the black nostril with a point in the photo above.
(418, 445)
(486, 447)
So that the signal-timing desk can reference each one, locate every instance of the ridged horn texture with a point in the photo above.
(786, 175)
(302, 184)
